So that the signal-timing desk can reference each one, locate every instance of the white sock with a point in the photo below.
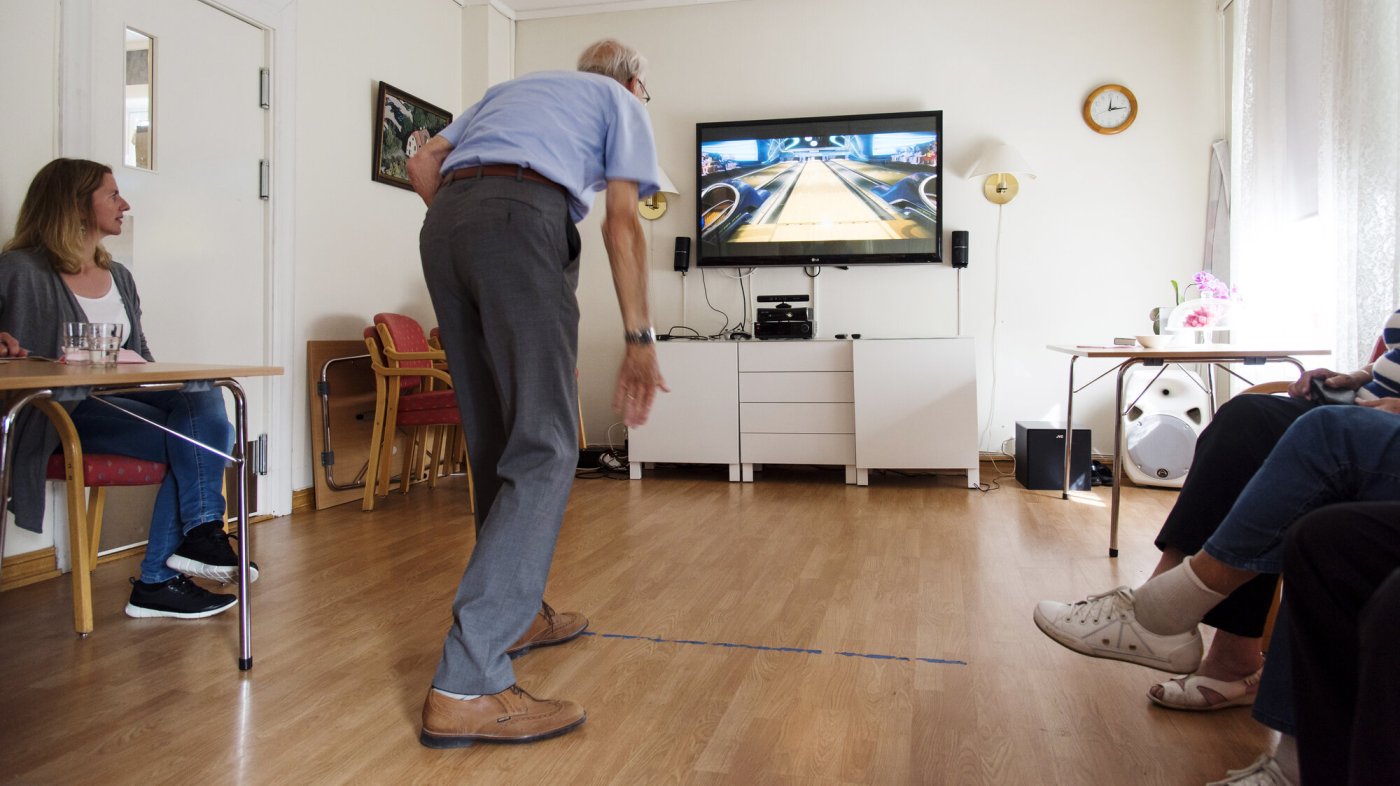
(1174, 601)
(1286, 757)
(458, 696)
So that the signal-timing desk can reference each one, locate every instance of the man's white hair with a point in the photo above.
(612, 58)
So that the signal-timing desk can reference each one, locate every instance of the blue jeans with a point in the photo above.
(192, 492)
(1330, 454)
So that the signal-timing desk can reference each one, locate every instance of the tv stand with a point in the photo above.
(867, 404)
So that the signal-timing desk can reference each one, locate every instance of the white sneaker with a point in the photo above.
(1105, 626)
(1263, 772)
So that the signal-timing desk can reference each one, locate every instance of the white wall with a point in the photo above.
(28, 46)
(357, 239)
(1087, 249)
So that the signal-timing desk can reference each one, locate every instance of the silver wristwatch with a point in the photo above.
(644, 336)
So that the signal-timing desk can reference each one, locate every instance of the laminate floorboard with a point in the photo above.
(792, 631)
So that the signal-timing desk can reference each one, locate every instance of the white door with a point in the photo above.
(197, 235)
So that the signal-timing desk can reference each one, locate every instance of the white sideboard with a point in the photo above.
(862, 404)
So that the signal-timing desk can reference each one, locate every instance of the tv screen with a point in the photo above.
(859, 189)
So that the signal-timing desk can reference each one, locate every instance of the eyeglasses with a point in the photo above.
(646, 97)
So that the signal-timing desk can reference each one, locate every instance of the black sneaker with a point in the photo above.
(206, 553)
(178, 597)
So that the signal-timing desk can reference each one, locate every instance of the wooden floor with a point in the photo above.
(796, 630)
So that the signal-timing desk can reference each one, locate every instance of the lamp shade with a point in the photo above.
(667, 187)
(1001, 157)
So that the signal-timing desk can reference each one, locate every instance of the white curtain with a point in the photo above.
(1317, 133)
(1360, 166)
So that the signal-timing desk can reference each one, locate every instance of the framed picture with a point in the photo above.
(402, 124)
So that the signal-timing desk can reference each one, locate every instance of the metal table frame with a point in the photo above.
(53, 389)
(1218, 356)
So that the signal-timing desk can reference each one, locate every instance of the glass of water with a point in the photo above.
(74, 343)
(104, 342)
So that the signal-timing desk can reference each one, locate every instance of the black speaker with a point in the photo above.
(959, 248)
(1040, 456)
(682, 254)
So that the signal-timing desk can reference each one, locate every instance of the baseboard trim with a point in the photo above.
(31, 567)
(303, 500)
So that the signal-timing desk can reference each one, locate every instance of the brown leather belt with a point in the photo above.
(503, 170)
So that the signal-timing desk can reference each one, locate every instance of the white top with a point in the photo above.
(108, 308)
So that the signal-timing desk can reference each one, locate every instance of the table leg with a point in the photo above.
(245, 541)
(1069, 425)
(1117, 458)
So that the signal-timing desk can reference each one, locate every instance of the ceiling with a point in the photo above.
(544, 9)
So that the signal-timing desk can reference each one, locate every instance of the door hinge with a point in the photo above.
(264, 179)
(265, 88)
(259, 458)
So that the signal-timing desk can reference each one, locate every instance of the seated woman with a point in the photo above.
(1331, 454)
(55, 270)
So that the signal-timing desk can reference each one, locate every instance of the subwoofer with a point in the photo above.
(1165, 415)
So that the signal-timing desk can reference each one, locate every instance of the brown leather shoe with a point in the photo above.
(506, 717)
(549, 627)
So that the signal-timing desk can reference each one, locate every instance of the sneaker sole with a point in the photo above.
(513, 654)
(1076, 645)
(439, 742)
(141, 612)
(227, 575)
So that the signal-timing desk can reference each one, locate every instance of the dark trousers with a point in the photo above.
(1228, 454)
(500, 257)
(1343, 597)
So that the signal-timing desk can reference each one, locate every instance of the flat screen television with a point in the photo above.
(849, 190)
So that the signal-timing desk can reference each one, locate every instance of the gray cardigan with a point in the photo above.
(34, 304)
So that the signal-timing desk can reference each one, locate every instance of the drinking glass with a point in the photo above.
(104, 342)
(74, 342)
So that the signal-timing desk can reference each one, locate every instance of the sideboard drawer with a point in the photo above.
(791, 418)
(798, 448)
(797, 386)
(795, 356)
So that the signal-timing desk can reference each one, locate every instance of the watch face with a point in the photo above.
(1111, 109)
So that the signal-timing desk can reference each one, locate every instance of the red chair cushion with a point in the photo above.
(101, 469)
(431, 417)
(433, 399)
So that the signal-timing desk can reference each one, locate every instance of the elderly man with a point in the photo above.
(505, 183)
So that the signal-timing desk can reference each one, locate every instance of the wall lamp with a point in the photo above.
(654, 206)
(999, 163)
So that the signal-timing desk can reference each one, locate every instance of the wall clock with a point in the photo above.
(1110, 109)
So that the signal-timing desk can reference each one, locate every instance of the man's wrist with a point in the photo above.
(640, 336)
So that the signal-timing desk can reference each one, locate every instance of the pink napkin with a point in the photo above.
(129, 356)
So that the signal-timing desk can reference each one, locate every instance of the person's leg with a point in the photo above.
(102, 429)
(1329, 454)
(1228, 454)
(1341, 595)
(1332, 454)
(500, 268)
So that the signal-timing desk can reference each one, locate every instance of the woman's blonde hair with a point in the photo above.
(56, 212)
(612, 58)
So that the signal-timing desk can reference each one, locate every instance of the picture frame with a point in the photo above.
(403, 123)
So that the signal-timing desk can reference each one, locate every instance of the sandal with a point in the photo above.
(1188, 692)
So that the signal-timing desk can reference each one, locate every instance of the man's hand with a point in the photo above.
(425, 168)
(1352, 381)
(10, 348)
(1389, 404)
(637, 382)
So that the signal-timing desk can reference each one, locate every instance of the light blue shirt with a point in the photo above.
(578, 129)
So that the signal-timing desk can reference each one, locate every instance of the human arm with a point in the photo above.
(10, 348)
(640, 374)
(425, 168)
(1332, 379)
(1389, 404)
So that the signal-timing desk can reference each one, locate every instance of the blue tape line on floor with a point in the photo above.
(799, 650)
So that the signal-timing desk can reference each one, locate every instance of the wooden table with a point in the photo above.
(1214, 354)
(44, 382)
